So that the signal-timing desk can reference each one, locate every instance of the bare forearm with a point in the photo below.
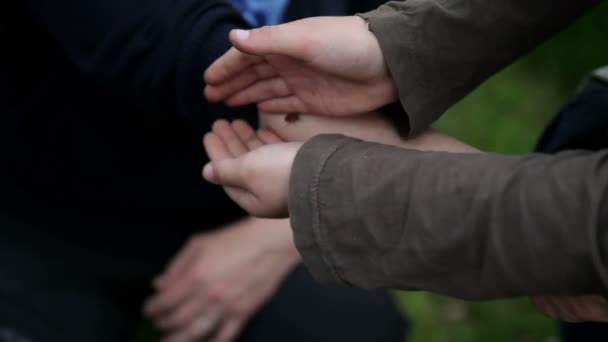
(373, 127)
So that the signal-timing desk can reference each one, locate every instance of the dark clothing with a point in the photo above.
(587, 332)
(52, 291)
(474, 226)
(582, 124)
(102, 116)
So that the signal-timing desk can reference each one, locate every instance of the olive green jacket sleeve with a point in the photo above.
(473, 226)
(440, 50)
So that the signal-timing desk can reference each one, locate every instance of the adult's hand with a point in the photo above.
(323, 65)
(219, 280)
(573, 309)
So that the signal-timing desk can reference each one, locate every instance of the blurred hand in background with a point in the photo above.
(219, 280)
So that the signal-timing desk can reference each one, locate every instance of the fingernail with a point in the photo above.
(242, 34)
(208, 173)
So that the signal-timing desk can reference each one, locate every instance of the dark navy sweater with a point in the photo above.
(102, 114)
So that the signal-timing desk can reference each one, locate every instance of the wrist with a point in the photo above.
(281, 240)
(379, 65)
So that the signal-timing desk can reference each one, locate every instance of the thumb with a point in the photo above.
(227, 172)
(268, 40)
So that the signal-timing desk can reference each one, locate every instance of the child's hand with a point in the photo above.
(254, 168)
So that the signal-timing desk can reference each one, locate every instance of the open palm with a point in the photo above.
(254, 168)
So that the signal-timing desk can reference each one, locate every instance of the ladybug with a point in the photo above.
(292, 117)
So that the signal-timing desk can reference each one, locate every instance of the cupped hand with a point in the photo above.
(323, 65)
(254, 168)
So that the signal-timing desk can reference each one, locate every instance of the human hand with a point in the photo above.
(219, 280)
(323, 65)
(573, 309)
(254, 168)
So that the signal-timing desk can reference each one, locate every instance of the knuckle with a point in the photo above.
(216, 295)
(258, 70)
(266, 30)
(261, 70)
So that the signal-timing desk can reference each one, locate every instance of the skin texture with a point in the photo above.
(370, 127)
(324, 65)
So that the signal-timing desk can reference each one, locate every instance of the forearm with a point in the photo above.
(373, 127)
(475, 226)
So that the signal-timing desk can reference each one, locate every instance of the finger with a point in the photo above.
(289, 104)
(188, 312)
(242, 80)
(260, 91)
(170, 298)
(229, 331)
(209, 174)
(229, 65)
(541, 304)
(195, 331)
(591, 308)
(283, 39)
(601, 309)
(229, 172)
(247, 135)
(215, 147)
(178, 265)
(562, 309)
(268, 137)
(225, 131)
(180, 317)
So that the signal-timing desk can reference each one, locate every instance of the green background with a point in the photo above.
(507, 114)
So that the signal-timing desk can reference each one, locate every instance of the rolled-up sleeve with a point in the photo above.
(473, 226)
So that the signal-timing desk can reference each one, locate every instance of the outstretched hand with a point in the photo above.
(253, 167)
(324, 65)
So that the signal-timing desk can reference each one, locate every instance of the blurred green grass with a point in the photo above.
(507, 114)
